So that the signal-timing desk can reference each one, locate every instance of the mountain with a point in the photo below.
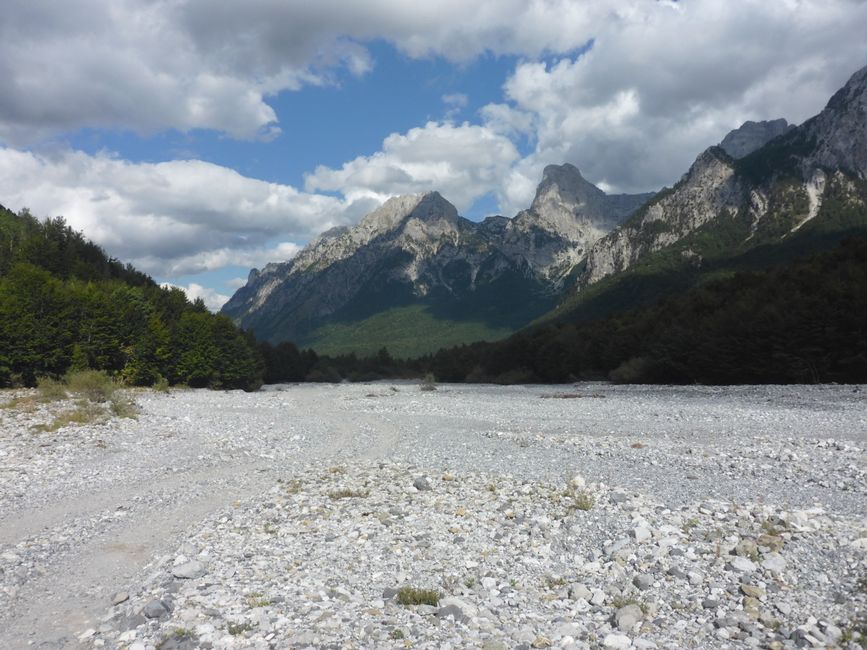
(413, 275)
(750, 136)
(801, 190)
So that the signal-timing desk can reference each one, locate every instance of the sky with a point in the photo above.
(198, 139)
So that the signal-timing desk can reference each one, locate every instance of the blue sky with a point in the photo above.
(198, 139)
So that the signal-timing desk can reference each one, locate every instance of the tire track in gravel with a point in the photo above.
(77, 576)
(75, 587)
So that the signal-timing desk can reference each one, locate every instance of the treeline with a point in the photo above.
(801, 323)
(65, 305)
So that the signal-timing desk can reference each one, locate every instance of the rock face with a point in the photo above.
(751, 136)
(417, 248)
(763, 183)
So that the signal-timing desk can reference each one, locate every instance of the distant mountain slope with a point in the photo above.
(801, 322)
(413, 275)
(788, 196)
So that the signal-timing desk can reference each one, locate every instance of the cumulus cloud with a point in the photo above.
(629, 90)
(189, 64)
(663, 81)
(171, 218)
(463, 162)
(212, 299)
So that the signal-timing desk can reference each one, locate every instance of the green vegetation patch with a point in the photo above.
(415, 596)
(407, 332)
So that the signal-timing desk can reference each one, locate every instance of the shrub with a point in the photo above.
(94, 385)
(50, 390)
(428, 383)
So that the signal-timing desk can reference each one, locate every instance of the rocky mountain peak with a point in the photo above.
(840, 130)
(750, 136)
(425, 206)
(564, 184)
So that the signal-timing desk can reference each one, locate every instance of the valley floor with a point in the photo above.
(577, 516)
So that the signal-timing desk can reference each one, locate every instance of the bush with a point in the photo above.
(50, 390)
(94, 385)
(428, 383)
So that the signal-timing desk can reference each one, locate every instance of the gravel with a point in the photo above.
(582, 516)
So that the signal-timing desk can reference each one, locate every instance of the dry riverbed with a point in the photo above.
(368, 516)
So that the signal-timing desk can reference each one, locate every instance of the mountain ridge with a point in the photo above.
(418, 248)
(765, 183)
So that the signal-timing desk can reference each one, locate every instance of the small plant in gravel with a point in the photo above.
(269, 528)
(397, 634)
(469, 582)
(123, 407)
(178, 634)
(622, 601)
(582, 500)
(161, 385)
(84, 413)
(347, 493)
(292, 486)
(553, 582)
(236, 629)
(415, 596)
(257, 599)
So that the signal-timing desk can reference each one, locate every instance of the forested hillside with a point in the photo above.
(803, 322)
(65, 305)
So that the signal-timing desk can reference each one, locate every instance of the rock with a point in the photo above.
(457, 608)
(773, 542)
(710, 603)
(580, 591)
(747, 548)
(598, 597)
(119, 597)
(774, 562)
(641, 534)
(753, 591)
(422, 484)
(189, 570)
(616, 641)
(742, 565)
(489, 583)
(643, 581)
(578, 481)
(155, 609)
(627, 616)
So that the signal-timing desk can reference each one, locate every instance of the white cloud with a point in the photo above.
(170, 218)
(235, 283)
(463, 162)
(663, 81)
(212, 299)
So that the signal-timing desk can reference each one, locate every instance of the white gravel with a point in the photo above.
(718, 517)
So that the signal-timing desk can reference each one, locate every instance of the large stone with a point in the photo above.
(742, 565)
(627, 616)
(422, 484)
(155, 609)
(774, 562)
(616, 641)
(189, 570)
